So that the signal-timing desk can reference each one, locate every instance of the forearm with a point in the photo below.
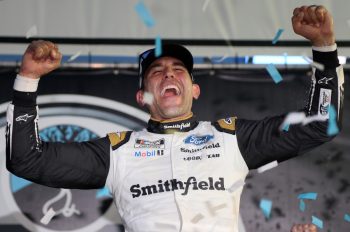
(262, 141)
(71, 165)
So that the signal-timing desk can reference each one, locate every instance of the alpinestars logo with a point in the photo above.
(23, 117)
(174, 184)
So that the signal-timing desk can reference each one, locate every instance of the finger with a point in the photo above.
(294, 228)
(311, 11)
(41, 50)
(296, 11)
(328, 20)
(307, 18)
(320, 13)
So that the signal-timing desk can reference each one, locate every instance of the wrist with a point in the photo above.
(25, 84)
(323, 42)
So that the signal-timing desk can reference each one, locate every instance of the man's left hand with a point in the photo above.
(314, 23)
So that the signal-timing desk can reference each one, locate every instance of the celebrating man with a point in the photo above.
(178, 173)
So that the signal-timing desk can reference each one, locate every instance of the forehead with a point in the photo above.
(166, 60)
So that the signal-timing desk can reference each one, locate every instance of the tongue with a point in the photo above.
(170, 93)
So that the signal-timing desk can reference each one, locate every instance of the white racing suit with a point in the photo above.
(173, 176)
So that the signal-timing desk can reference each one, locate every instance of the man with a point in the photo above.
(178, 174)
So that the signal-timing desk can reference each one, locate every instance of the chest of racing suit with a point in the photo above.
(179, 181)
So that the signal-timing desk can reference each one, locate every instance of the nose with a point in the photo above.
(169, 73)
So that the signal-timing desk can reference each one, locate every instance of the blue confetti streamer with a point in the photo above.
(302, 205)
(103, 193)
(144, 14)
(158, 46)
(277, 36)
(310, 196)
(286, 127)
(265, 206)
(276, 76)
(317, 222)
(347, 217)
(332, 122)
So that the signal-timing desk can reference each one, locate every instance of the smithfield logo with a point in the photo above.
(142, 143)
(146, 154)
(174, 184)
(177, 126)
(209, 146)
(198, 140)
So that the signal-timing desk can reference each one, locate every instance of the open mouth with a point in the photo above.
(170, 90)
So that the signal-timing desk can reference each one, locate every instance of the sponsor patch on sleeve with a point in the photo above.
(324, 102)
(118, 138)
(227, 125)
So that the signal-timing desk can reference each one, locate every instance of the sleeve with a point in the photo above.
(261, 142)
(82, 165)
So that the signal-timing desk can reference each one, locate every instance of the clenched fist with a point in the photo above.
(304, 228)
(40, 58)
(314, 23)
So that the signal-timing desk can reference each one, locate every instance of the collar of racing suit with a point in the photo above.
(171, 126)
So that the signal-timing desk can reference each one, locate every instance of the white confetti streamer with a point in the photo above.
(236, 185)
(48, 216)
(73, 57)
(197, 218)
(314, 64)
(33, 31)
(212, 210)
(268, 166)
(300, 117)
(148, 98)
(205, 5)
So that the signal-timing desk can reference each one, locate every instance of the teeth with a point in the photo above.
(170, 87)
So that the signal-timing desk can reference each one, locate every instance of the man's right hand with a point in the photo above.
(40, 58)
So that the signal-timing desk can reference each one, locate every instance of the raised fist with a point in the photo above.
(40, 58)
(314, 23)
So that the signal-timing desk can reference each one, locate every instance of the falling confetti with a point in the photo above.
(285, 127)
(73, 57)
(309, 196)
(265, 206)
(317, 65)
(48, 216)
(347, 217)
(158, 46)
(317, 222)
(300, 117)
(235, 186)
(332, 122)
(277, 36)
(197, 218)
(276, 76)
(212, 210)
(205, 5)
(268, 166)
(148, 98)
(302, 205)
(144, 14)
(33, 31)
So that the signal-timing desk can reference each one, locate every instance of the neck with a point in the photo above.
(169, 126)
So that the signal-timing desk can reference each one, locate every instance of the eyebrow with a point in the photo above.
(175, 63)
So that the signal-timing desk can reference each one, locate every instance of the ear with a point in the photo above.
(196, 91)
(139, 97)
